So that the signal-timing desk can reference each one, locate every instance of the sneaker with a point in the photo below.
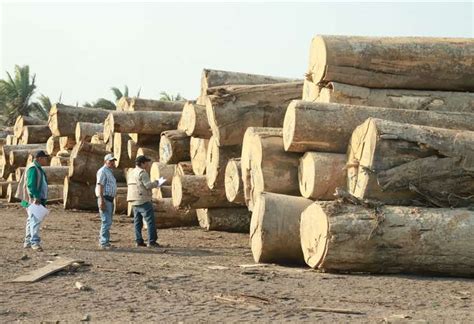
(140, 244)
(153, 245)
(37, 248)
(26, 245)
(106, 247)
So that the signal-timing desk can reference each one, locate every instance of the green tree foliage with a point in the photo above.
(168, 97)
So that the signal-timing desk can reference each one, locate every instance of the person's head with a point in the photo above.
(42, 158)
(109, 160)
(143, 162)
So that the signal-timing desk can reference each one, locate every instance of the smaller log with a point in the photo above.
(11, 189)
(132, 149)
(234, 186)
(59, 161)
(120, 149)
(67, 143)
(52, 145)
(85, 131)
(22, 121)
(145, 139)
(98, 138)
(183, 168)
(224, 219)
(33, 134)
(159, 169)
(152, 154)
(174, 147)
(275, 228)
(194, 121)
(167, 216)
(319, 175)
(141, 104)
(198, 154)
(216, 161)
(80, 196)
(191, 191)
(5, 156)
(120, 201)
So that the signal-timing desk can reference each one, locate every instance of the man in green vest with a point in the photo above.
(33, 189)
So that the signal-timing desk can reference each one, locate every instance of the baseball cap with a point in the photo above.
(142, 159)
(109, 157)
(41, 154)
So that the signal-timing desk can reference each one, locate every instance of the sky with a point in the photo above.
(81, 50)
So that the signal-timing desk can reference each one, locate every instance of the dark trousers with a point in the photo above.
(140, 212)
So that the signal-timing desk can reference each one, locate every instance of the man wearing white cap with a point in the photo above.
(105, 190)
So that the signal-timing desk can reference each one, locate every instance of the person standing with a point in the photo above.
(33, 189)
(105, 190)
(139, 194)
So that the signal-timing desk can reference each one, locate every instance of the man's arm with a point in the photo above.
(145, 180)
(101, 184)
(32, 183)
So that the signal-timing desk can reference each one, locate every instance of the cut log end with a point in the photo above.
(289, 126)
(314, 234)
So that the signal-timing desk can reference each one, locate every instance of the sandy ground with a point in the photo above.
(197, 277)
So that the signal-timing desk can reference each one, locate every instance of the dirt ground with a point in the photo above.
(198, 277)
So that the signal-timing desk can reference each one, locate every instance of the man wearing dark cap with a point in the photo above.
(33, 189)
(105, 190)
(139, 195)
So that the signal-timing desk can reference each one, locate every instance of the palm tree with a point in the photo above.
(119, 94)
(43, 106)
(16, 93)
(101, 103)
(167, 97)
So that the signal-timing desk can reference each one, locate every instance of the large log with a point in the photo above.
(174, 147)
(5, 156)
(22, 121)
(216, 161)
(224, 219)
(67, 143)
(140, 104)
(215, 78)
(275, 228)
(166, 215)
(143, 122)
(198, 154)
(327, 127)
(234, 186)
(35, 134)
(85, 131)
(194, 120)
(232, 109)
(320, 173)
(191, 191)
(52, 145)
(19, 158)
(407, 164)
(270, 168)
(397, 98)
(80, 196)
(393, 62)
(120, 148)
(120, 201)
(388, 239)
(62, 119)
(159, 169)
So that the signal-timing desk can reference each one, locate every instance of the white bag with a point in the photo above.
(38, 211)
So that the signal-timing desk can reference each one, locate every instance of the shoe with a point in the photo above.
(37, 248)
(106, 247)
(140, 244)
(153, 245)
(26, 245)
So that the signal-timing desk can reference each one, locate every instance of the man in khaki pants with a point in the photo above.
(139, 194)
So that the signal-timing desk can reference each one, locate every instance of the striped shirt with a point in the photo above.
(106, 178)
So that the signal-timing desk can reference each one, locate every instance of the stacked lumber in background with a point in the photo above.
(386, 166)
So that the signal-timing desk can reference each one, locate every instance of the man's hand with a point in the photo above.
(36, 201)
(102, 204)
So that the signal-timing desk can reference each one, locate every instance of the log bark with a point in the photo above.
(407, 164)
(183, 168)
(145, 139)
(162, 192)
(311, 91)
(174, 147)
(121, 151)
(198, 154)
(167, 216)
(232, 109)
(19, 158)
(140, 104)
(159, 169)
(234, 186)
(151, 153)
(80, 196)
(269, 167)
(194, 121)
(327, 127)
(275, 228)
(120, 201)
(143, 122)
(393, 62)
(52, 145)
(191, 191)
(339, 237)
(319, 175)
(62, 119)
(22, 121)
(216, 161)
(33, 134)
(398, 98)
(85, 131)
(215, 78)
(67, 143)
(235, 220)
(5, 156)
(55, 175)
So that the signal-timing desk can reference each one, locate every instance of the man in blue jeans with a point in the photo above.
(105, 190)
(139, 194)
